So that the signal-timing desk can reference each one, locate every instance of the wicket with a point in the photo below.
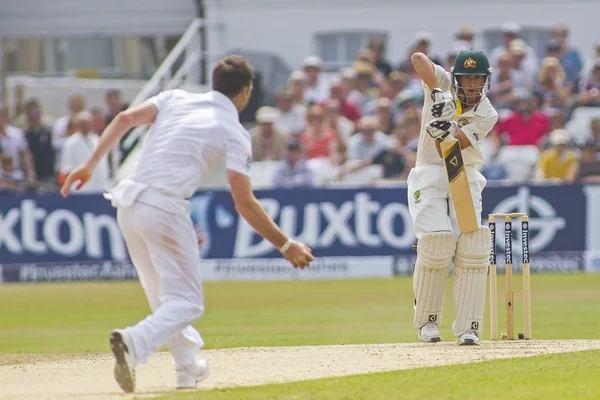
(510, 306)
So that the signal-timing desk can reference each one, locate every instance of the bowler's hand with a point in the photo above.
(299, 255)
(82, 174)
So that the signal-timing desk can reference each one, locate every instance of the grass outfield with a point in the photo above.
(569, 376)
(76, 317)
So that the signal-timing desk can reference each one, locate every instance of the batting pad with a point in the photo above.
(434, 256)
(469, 280)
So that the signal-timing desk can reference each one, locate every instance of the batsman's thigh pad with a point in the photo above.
(469, 280)
(427, 199)
(434, 256)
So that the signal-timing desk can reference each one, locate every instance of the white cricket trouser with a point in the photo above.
(163, 247)
(429, 200)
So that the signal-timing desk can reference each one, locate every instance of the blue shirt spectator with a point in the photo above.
(293, 171)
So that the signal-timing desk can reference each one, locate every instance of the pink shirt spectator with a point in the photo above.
(318, 147)
(524, 131)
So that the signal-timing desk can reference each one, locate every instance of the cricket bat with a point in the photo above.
(459, 185)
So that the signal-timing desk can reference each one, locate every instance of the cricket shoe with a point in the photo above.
(429, 333)
(469, 338)
(188, 379)
(126, 360)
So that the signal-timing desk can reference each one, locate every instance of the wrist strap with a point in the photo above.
(286, 246)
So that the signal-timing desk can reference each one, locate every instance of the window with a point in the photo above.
(62, 55)
(338, 49)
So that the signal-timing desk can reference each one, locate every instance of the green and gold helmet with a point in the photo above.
(472, 63)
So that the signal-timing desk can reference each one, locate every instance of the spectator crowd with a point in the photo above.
(37, 150)
(328, 126)
(361, 123)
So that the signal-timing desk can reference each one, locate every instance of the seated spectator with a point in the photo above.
(526, 126)
(516, 45)
(407, 130)
(319, 140)
(409, 100)
(291, 118)
(39, 140)
(390, 89)
(76, 104)
(588, 167)
(98, 121)
(384, 115)
(558, 162)
(557, 118)
(367, 56)
(377, 45)
(504, 81)
(527, 68)
(589, 88)
(370, 146)
(316, 90)
(363, 92)
(552, 87)
(338, 122)
(569, 57)
(77, 149)
(292, 171)
(340, 91)
(11, 179)
(267, 142)
(297, 83)
(13, 142)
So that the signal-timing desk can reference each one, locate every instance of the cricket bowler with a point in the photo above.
(444, 195)
(190, 133)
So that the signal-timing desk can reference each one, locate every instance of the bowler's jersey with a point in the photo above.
(475, 124)
(191, 133)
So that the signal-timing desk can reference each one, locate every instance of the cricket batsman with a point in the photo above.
(455, 106)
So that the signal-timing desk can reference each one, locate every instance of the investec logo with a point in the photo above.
(40, 232)
(337, 226)
(545, 223)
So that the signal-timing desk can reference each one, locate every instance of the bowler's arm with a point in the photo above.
(252, 211)
(125, 120)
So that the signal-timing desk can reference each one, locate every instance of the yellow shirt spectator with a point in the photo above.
(554, 165)
(558, 162)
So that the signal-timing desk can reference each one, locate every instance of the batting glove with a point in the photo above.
(444, 106)
(440, 129)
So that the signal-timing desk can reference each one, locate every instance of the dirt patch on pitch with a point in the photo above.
(70, 376)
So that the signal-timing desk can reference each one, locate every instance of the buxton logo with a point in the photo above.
(359, 221)
(36, 230)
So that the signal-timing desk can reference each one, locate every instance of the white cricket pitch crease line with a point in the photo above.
(92, 378)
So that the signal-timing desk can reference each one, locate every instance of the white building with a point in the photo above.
(335, 29)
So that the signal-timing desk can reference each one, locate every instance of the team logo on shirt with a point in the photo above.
(417, 196)
(470, 63)
(462, 122)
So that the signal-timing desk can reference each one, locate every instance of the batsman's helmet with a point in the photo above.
(472, 63)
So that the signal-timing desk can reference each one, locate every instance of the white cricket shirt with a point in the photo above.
(190, 134)
(475, 124)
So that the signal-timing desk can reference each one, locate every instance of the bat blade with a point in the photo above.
(459, 186)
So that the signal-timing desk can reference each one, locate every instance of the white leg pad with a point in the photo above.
(470, 279)
(434, 257)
